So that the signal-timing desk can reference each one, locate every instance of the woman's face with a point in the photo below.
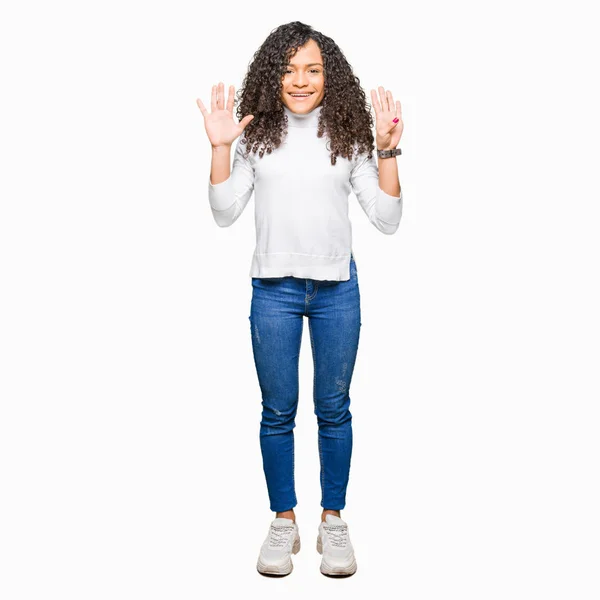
(304, 75)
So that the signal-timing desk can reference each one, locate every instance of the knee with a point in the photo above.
(333, 414)
(276, 420)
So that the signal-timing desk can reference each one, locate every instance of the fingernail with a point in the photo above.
(396, 120)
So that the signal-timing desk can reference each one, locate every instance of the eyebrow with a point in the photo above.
(308, 65)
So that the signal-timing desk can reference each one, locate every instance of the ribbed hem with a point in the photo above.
(305, 266)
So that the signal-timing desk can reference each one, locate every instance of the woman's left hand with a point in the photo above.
(388, 133)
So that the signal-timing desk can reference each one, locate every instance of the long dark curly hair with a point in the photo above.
(345, 114)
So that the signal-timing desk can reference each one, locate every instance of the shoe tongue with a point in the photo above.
(334, 520)
(282, 521)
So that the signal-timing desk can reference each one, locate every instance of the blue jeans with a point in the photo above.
(276, 322)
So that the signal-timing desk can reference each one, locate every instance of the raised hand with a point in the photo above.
(221, 128)
(388, 133)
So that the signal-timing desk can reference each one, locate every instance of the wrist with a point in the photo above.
(384, 144)
(222, 148)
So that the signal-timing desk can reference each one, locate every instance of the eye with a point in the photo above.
(312, 71)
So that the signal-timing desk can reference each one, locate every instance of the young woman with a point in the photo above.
(308, 142)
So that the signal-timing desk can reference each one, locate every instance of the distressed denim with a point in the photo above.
(276, 324)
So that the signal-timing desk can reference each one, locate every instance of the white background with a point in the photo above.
(130, 463)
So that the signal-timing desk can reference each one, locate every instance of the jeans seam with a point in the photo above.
(322, 478)
(293, 438)
(309, 298)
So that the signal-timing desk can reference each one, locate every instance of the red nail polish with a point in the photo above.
(396, 120)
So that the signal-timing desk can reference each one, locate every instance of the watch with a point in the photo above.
(389, 153)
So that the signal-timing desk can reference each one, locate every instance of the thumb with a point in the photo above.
(391, 126)
(245, 121)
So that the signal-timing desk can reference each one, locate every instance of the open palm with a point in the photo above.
(220, 125)
(388, 133)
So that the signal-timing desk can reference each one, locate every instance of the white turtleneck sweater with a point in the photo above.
(301, 203)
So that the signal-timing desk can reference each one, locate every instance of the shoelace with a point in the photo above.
(338, 535)
(280, 535)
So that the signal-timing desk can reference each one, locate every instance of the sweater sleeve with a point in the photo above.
(383, 210)
(229, 198)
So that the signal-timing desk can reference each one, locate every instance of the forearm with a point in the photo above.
(388, 176)
(220, 168)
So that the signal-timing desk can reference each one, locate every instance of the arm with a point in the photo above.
(375, 181)
(389, 181)
(376, 190)
(229, 190)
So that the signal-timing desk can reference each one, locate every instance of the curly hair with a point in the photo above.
(345, 117)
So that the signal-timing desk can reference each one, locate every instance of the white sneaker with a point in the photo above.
(282, 541)
(333, 542)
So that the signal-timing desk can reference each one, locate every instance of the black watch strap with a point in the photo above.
(389, 153)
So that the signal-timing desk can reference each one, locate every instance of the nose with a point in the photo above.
(299, 78)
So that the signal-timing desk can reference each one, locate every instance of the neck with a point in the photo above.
(309, 119)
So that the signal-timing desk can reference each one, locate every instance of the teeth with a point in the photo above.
(300, 95)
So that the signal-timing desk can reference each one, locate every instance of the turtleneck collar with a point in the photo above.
(310, 119)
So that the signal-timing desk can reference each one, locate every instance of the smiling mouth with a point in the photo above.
(301, 95)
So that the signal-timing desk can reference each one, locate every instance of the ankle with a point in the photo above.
(328, 511)
(286, 514)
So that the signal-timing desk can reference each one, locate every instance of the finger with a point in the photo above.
(391, 102)
(383, 99)
(399, 110)
(244, 122)
(213, 99)
(201, 107)
(375, 103)
(230, 99)
(391, 127)
(221, 96)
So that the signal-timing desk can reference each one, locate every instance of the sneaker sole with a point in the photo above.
(278, 570)
(335, 571)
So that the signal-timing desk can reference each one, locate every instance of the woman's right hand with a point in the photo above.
(220, 127)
